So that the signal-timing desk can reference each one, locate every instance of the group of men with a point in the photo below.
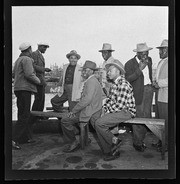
(128, 93)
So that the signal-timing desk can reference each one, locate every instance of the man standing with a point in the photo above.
(88, 108)
(25, 82)
(139, 74)
(107, 56)
(71, 84)
(119, 107)
(161, 83)
(39, 66)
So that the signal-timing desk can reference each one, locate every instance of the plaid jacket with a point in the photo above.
(120, 97)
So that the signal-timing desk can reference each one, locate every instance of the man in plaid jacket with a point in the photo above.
(119, 107)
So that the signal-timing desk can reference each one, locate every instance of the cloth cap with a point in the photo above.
(24, 46)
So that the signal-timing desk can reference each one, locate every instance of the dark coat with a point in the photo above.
(39, 66)
(136, 78)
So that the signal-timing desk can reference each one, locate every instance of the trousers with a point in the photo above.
(22, 130)
(69, 125)
(163, 114)
(103, 125)
(143, 111)
(57, 102)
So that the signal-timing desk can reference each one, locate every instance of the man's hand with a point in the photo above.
(155, 84)
(71, 115)
(47, 69)
(142, 65)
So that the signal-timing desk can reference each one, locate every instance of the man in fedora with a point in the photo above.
(25, 84)
(119, 107)
(107, 56)
(39, 66)
(139, 74)
(87, 109)
(71, 84)
(161, 83)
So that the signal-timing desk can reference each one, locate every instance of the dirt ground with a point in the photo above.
(46, 154)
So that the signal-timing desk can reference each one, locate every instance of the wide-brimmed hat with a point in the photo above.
(74, 53)
(90, 64)
(106, 47)
(142, 47)
(44, 43)
(24, 46)
(163, 44)
(117, 64)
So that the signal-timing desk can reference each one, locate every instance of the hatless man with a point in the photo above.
(161, 83)
(25, 83)
(139, 74)
(87, 109)
(71, 85)
(39, 66)
(107, 56)
(119, 107)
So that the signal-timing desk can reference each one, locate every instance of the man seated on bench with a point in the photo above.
(88, 108)
(119, 107)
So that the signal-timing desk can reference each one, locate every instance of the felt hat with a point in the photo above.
(90, 64)
(74, 53)
(163, 44)
(142, 47)
(117, 64)
(106, 47)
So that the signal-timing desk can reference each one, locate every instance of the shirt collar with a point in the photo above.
(88, 78)
(118, 79)
(137, 59)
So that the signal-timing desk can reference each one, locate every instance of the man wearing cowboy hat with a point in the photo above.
(25, 83)
(139, 74)
(87, 109)
(119, 106)
(161, 83)
(39, 66)
(71, 83)
(107, 56)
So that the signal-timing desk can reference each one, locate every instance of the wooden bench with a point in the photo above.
(157, 126)
(83, 126)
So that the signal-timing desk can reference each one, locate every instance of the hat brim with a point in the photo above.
(77, 55)
(120, 68)
(161, 47)
(95, 69)
(150, 48)
(106, 50)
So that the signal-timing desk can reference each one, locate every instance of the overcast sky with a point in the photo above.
(86, 28)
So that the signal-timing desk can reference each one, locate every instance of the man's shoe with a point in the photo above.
(112, 156)
(72, 147)
(31, 141)
(140, 148)
(15, 146)
(157, 145)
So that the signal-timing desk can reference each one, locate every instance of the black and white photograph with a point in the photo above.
(90, 88)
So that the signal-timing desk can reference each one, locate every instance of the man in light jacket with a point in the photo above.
(161, 83)
(87, 109)
(25, 82)
(71, 84)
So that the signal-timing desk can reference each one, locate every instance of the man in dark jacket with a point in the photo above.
(139, 74)
(39, 66)
(25, 82)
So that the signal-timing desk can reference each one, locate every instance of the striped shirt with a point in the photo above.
(120, 97)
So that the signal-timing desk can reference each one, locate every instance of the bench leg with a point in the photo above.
(82, 135)
(163, 144)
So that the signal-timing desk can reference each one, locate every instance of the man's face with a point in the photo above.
(142, 55)
(106, 55)
(163, 52)
(73, 60)
(86, 72)
(42, 48)
(113, 72)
